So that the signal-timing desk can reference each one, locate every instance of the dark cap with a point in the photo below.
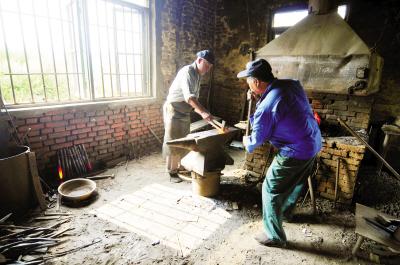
(259, 69)
(206, 54)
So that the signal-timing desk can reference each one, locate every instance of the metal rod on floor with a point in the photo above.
(397, 175)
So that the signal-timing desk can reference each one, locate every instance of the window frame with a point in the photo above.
(148, 65)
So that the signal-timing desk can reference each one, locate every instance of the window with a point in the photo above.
(60, 51)
(285, 19)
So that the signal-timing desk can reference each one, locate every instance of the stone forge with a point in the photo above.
(349, 151)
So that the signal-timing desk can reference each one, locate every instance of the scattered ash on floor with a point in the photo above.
(381, 192)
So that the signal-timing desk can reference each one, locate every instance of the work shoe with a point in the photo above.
(174, 178)
(265, 241)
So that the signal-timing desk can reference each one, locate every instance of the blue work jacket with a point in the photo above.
(284, 117)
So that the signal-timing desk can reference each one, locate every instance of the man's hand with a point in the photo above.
(249, 94)
(246, 140)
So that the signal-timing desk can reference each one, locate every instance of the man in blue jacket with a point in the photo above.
(283, 116)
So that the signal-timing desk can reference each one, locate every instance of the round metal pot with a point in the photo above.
(77, 190)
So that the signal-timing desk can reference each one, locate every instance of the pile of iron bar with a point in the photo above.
(29, 245)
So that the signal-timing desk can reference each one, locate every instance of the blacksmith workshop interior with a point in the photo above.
(128, 136)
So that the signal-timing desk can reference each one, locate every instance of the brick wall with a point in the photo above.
(350, 153)
(187, 27)
(105, 131)
(354, 110)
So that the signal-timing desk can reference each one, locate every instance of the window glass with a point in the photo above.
(285, 19)
(73, 50)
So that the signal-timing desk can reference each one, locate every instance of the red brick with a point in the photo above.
(117, 125)
(71, 138)
(82, 135)
(99, 128)
(75, 121)
(70, 127)
(34, 146)
(47, 131)
(34, 133)
(116, 116)
(102, 142)
(102, 151)
(59, 129)
(102, 132)
(31, 120)
(59, 135)
(60, 140)
(83, 141)
(34, 127)
(103, 137)
(49, 142)
(56, 124)
(132, 115)
(36, 139)
(90, 113)
(81, 125)
(118, 134)
(60, 146)
(90, 124)
(101, 118)
(83, 130)
(45, 119)
(68, 116)
(79, 115)
(57, 118)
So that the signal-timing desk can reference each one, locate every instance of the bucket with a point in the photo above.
(207, 185)
(16, 187)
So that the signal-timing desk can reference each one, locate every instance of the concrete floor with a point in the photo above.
(142, 218)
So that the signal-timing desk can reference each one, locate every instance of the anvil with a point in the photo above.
(206, 150)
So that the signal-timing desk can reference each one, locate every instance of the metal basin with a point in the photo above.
(77, 189)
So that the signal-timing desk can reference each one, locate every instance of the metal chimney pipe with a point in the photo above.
(321, 7)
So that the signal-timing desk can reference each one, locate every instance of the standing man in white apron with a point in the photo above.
(181, 100)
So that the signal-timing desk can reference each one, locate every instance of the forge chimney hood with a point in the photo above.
(326, 55)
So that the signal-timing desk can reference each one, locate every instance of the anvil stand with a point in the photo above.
(206, 158)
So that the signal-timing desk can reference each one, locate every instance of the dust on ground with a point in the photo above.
(140, 217)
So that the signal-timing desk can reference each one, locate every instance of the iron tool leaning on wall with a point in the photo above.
(284, 117)
(181, 99)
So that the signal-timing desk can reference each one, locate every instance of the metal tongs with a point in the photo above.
(220, 126)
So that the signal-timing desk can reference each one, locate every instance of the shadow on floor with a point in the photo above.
(326, 250)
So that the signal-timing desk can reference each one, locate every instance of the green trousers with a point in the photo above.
(281, 188)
